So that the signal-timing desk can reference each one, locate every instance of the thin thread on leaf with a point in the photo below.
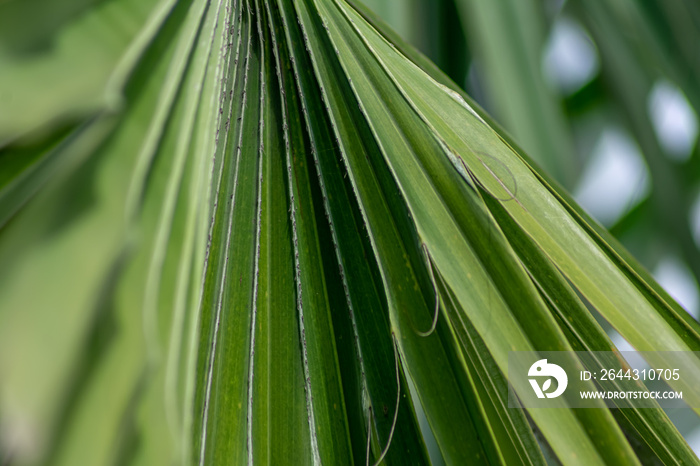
(396, 410)
(505, 188)
(476, 180)
(435, 290)
(369, 433)
(512, 195)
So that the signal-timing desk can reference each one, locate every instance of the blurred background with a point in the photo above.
(604, 95)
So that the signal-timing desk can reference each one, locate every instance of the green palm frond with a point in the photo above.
(271, 231)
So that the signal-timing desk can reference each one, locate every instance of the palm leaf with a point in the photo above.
(271, 230)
